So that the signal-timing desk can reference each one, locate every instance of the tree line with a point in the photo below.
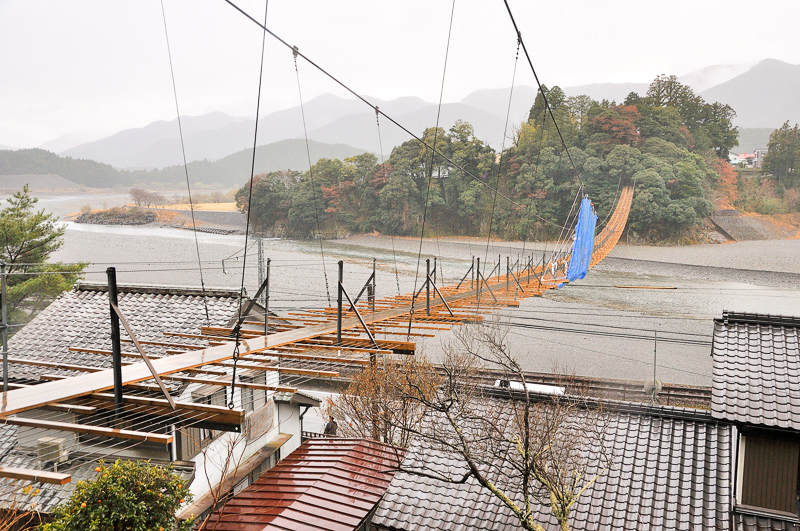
(668, 142)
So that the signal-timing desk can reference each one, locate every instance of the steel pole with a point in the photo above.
(339, 305)
(116, 347)
(5, 325)
(428, 286)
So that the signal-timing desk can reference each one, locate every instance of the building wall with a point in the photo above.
(769, 477)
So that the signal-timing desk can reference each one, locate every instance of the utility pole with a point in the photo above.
(428, 286)
(371, 288)
(339, 304)
(5, 325)
(261, 266)
(472, 274)
(116, 347)
(266, 305)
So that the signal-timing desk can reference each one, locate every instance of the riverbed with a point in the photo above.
(599, 326)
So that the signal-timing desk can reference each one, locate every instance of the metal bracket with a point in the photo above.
(144, 357)
(360, 319)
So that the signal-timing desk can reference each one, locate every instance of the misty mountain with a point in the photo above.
(710, 76)
(144, 146)
(217, 135)
(752, 138)
(616, 92)
(361, 129)
(6, 148)
(764, 96)
(234, 170)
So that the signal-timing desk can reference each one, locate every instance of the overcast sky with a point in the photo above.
(90, 68)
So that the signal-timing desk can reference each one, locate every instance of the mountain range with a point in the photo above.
(763, 96)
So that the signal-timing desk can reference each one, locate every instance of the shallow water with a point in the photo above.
(304, 275)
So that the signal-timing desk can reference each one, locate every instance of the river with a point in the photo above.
(592, 327)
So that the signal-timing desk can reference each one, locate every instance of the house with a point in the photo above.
(758, 157)
(216, 448)
(756, 388)
(733, 467)
(327, 484)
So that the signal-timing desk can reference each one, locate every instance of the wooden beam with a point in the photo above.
(18, 400)
(219, 413)
(52, 478)
(55, 365)
(311, 357)
(71, 408)
(165, 344)
(226, 382)
(108, 352)
(89, 430)
(286, 370)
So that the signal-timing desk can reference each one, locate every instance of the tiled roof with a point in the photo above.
(80, 318)
(43, 497)
(756, 375)
(668, 473)
(750, 522)
(325, 484)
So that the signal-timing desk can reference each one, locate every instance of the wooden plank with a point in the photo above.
(217, 413)
(71, 408)
(54, 365)
(108, 352)
(311, 357)
(165, 344)
(51, 478)
(226, 382)
(286, 370)
(90, 430)
(21, 399)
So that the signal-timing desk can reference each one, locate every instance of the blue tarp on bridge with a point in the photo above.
(583, 245)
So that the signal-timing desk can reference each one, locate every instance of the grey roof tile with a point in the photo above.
(751, 522)
(667, 475)
(79, 318)
(756, 374)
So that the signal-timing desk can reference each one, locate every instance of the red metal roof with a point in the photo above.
(325, 484)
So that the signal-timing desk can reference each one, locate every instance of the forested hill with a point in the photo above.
(229, 172)
(226, 173)
(668, 142)
(41, 162)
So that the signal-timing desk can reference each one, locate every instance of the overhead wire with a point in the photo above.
(185, 163)
(541, 91)
(416, 137)
(380, 145)
(295, 53)
(433, 152)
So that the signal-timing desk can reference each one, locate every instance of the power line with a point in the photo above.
(185, 164)
(377, 110)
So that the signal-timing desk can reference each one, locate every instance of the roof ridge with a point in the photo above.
(154, 289)
(758, 318)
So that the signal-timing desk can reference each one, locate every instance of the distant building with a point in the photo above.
(759, 157)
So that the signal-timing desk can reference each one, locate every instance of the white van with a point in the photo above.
(531, 387)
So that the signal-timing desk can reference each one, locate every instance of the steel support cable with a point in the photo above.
(430, 167)
(295, 52)
(380, 145)
(185, 164)
(249, 209)
(502, 150)
(541, 91)
(376, 109)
